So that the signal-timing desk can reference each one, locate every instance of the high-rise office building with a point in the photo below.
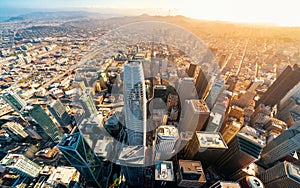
(15, 101)
(293, 93)
(132, 161)
(166, 139)
(195, 114)
(132, 157)
(192, 69)
(283, 174)
(21, 165)
(186, 90)
(261, 115)
(88, 105)
(160, 91)
(45, 122)
(61, 176)
(225, 184)
(79, 154)
(282, 85)
(286, 143)
(135, 103)
(243, 150)
(167, 136)
(275, 124)
(290, 106)
(216, 89)
(215, 122)
(58, 111)
(190, 174)
(201, 84)
(15, 131)
(205, 147)
(164, 174)
(183, 141)
(250, 182)
(230, 129)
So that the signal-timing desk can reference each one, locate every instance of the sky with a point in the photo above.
(280, 12)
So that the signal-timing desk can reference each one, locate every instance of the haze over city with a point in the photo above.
(278, 12)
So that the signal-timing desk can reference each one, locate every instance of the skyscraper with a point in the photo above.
(58, 111)
(201, 84)
(282, 85)
(88, 105)
(243, 150)
(166, 139)
(21, 165)
(195, 114)
(230, 129)
(15, 101)
(15, 130)
(135, 103)
(281, 146)
(81, 156)
(250, 182)
(225, 184)
(283, 174)
(45, 122)
(132, 160)
(186, 90)
(164, 174)
(190, 174)
(167, 136)
(160, 91)
(192, 69)
(215, 122)
(205, 147)
(216, 89)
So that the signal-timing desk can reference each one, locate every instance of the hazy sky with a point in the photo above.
(282, 12)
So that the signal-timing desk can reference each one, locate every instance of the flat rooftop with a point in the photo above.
(211, 140)
(192, 170)
(167, 131)
(199, 106)
(164, 171)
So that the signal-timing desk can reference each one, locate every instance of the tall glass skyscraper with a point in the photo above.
(135, 103)
(14, 101)
(132, 157)
(76, 150)
(45, 122)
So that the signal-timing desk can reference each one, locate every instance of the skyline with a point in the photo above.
(281, 13)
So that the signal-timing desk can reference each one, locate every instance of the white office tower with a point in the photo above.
(186, 90)
(20, 165)
(216, 89)
(195, 114)
(167, 136)
(135, 103)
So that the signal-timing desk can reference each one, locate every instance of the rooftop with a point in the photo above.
(132, 155)
(167, 131)
(63, 175)
(164, 171)
(192, 170)
(211, 140)
(251, 138)
(293, 171)
(199, 106)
